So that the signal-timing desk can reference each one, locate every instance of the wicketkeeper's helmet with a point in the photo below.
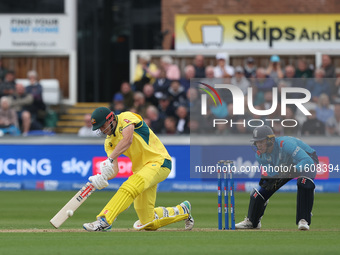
(100, 116)
(261, 133)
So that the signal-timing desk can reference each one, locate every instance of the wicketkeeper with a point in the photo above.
(292, 159)
(128, 134)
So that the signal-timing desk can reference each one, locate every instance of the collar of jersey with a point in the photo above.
(114, 130)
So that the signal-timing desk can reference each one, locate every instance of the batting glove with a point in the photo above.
(98, 181)
(107, 169)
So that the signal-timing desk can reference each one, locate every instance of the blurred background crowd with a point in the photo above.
(22, 108)
(162, 95)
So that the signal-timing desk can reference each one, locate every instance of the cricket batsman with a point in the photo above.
(128, 134)
(292, 159)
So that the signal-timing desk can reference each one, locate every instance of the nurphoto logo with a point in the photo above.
(239, 104)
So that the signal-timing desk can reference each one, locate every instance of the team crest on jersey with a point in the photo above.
(127, 121)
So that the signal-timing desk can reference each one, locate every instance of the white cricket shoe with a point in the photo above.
(189, 222)
(99, 225)
(247, 224)
(303, 225)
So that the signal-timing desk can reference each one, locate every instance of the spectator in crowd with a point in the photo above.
(318, 85)
(149, 95)
(290, 130)
(268, 104)
(262, 83)
(171, 70)
(289, 76)
(194, 104)
(125, 89)
(146, 71)
(323, 110)
(209, 72)
(328, 67)
(313, 126)
(206, 120)
(189, 73)
(333, 124)
(223, 69)
(21, 102)
(274, 70)
(177, 94)
(140, 104)
(268, 100)
(86, 130)
(335, 88)
(8, 118)
(182, 120)
(10, 77)
(289, 80)
(241, 127)
(302, 70)
(240, 81)
(282, 84)
(199, 66)
(170, 125)
(38, 107)
(7, 86)
(147, 121)
(161, 85)
(194, 125)
(250, 68)
(165, 107)
(3, 70)
(117, 105)
(6, 89)
(155, 122)
(133, 109)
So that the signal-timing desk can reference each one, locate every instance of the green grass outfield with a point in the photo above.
(25, 227)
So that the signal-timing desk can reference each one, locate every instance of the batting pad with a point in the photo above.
(164, 216)
(123, 198)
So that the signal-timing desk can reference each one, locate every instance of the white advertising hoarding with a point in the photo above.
(36, 33)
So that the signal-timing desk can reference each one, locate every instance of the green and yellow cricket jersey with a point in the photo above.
(146, 146)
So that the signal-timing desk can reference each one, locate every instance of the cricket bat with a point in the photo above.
(73, 204)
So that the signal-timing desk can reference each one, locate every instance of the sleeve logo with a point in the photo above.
(296, 151)
(127, 121)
